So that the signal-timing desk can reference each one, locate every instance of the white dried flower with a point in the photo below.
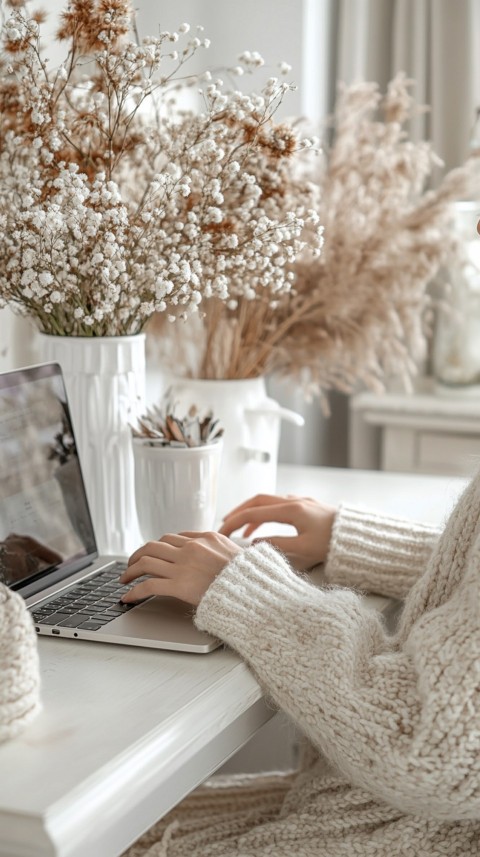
(152, 214)
(45, 278)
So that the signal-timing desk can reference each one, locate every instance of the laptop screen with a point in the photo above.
(45, 523)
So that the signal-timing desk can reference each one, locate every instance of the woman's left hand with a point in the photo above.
(181, 565)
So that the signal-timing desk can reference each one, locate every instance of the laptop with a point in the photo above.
(48, 551)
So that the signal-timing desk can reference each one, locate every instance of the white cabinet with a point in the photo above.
(427, 431)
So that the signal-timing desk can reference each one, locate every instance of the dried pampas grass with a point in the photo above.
(358, 313)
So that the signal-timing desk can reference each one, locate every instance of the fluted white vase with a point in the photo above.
(105, 383)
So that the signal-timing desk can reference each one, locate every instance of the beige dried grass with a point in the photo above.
(359, 312)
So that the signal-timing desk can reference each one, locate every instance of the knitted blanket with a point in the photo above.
(19, 668)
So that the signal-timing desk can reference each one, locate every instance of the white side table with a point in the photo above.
(423, 432)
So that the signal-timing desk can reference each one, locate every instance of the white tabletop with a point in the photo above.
(416, 497)
(125, 733)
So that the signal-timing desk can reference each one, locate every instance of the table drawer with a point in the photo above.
(439, 453)
(421, 451)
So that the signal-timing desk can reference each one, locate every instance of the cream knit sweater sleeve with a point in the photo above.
(400, 720)
(375, 553)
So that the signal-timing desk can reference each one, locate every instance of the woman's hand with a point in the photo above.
(182, 566)
(313, 522)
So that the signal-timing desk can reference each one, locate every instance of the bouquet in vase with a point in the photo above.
(117, 202)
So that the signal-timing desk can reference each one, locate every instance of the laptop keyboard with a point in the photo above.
(90, 604)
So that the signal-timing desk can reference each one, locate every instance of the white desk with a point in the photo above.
(126, 733)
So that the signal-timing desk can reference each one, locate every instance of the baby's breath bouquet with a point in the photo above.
(117, 201)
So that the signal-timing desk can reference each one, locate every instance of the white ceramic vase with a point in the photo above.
(456, 343)
(251, 422)
(105, 383)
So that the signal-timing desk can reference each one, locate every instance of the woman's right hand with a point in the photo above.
(312, 520)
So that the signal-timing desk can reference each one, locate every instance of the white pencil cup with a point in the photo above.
(176, 488)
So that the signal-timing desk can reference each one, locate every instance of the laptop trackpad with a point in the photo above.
(162, 618)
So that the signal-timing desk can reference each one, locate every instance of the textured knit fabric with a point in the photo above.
(396, 717)
(19, 669)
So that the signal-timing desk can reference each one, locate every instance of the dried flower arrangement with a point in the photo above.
(116, 202)
(161, 426)
(358, 311)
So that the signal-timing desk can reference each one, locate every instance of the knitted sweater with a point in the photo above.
(19, 669)
(396, 717)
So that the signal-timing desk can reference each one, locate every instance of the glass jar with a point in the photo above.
(456, 345)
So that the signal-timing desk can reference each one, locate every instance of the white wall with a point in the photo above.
(16, 341)
(271, 27)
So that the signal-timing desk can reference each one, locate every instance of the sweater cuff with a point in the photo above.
(256, 587)
(376, 553)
